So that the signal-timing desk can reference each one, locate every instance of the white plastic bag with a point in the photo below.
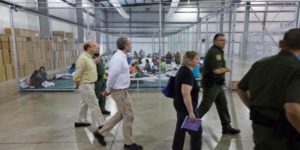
(47, 84)
(23, 84)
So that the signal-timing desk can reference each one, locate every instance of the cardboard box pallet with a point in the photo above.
(34, 52)
(1, 58)
(28, 68)
(62, 34)
(21, 70)
(22, 32)
(2, 73)
(5, 44)
(9, 72)
(6, 56)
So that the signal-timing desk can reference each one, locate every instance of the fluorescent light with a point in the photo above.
(119, 8)
(173, 7)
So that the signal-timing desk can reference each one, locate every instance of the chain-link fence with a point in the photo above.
(49, 42)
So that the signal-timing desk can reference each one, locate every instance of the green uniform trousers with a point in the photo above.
(265, 139)
(215, 94)
(99, 88)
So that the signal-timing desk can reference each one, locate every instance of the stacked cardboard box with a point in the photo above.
(2, 73)
(33, 52)
(2, 68)
(9, 72)
(5, 59)
(1, 58)
(62, 34)
(22, 32)
(65, 50)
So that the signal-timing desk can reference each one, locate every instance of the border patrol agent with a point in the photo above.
(214, 70)
(100, 83)
(271, 89)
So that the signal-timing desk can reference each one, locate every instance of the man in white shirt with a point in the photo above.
(117, 84)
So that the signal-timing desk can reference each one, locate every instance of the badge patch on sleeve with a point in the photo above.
(218, 57)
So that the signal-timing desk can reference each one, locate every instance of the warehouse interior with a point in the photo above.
(51, 33)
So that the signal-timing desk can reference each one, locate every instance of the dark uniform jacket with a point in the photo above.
(100, 70)
(214, 59)
(272, 82)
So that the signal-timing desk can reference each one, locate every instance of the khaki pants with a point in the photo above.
(125, 113)
(89, 100)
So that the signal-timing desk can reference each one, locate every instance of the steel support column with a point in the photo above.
(222, 17)
(194, 38)
(106, 35)
(98, 13)
(130, 26)
(14, 48)
(231, 54)
(43, 20)
(199, 38)
(80, 20)
(88, 32)
(198, 28)
(298, 15)
(264, 28)
(160, 39)
(163, 29)
(229, 31)
(130, 23)
(207, 36)
(53, 63)
(244, 50)
(188, 39)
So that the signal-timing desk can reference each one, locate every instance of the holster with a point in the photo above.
(281, 127)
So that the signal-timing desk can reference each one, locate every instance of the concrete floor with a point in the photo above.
(45, 121)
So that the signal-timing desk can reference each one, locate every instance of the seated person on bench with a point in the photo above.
(44, 74)
(36, 80)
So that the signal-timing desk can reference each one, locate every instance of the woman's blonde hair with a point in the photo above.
(189, 55)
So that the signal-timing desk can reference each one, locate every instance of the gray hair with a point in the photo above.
(122, 42)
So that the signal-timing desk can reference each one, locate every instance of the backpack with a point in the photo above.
(169, 89)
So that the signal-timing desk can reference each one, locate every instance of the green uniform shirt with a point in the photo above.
(272, 82)
(214, 59)
(100, 69)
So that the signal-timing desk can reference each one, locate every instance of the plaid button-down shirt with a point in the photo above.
(86, 70)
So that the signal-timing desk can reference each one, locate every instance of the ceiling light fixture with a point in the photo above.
(119, 8)
(173, 7)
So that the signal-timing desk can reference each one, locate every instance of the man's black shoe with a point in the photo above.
(100, 138)
(231, 131)
(77, 125)
(100, 127)
(106, 112)
(133, 146)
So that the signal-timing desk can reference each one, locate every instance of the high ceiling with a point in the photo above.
(144, 14)
(129, 3)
